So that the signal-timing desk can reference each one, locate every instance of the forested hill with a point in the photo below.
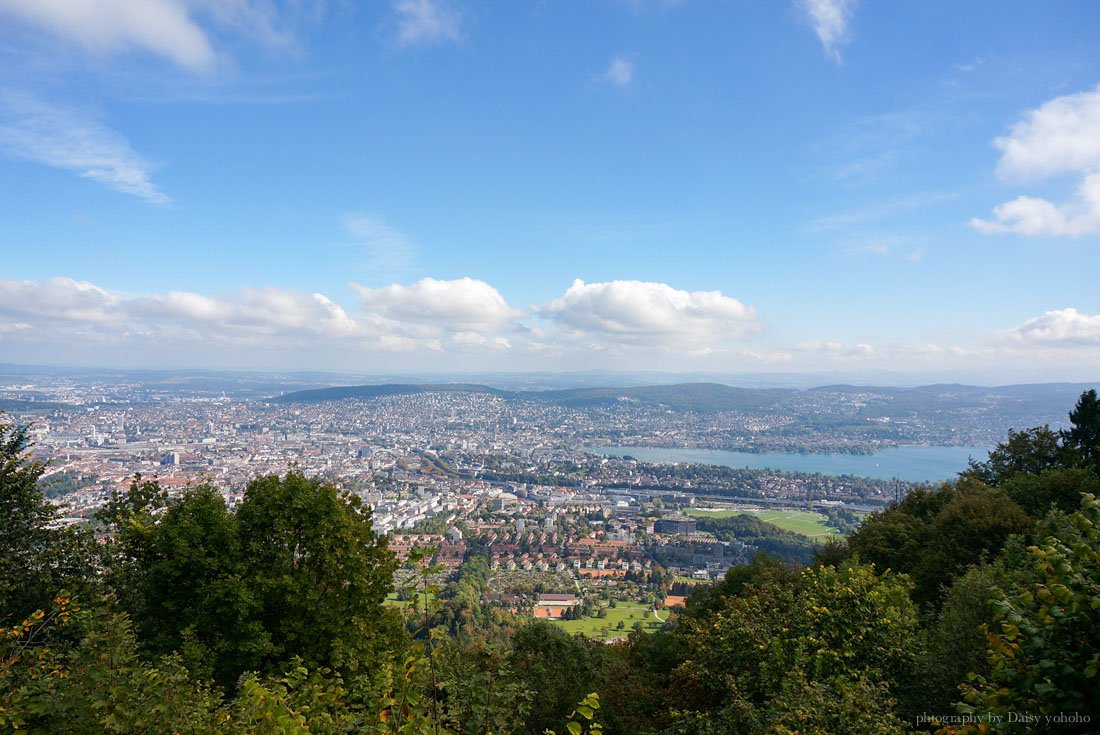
(339, 393)
(1027, 404)
(682, 397)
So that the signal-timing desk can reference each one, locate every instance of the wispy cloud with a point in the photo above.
(879, 211)
(66, 139)
(422, 22)
(891, 247)
(180, 31)
(619, 72)
(831, 21)
(162, 27)
(388, 250)
(866, 149)
(1062, 136)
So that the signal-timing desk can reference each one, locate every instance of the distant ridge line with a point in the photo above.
(714, 397)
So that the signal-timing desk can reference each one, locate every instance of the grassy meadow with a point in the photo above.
(807, 523)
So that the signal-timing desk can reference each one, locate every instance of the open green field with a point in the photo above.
(418, 597)
(808, 523)
(605, 628)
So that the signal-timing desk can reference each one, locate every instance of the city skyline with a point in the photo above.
(822, 186)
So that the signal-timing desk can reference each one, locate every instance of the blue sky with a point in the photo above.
(750, 186)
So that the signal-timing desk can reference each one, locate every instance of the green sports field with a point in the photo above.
(605, 628)
(808, 523)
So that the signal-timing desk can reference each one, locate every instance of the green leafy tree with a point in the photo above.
(481, 696)
(127, 523)
(934, 536)
(556, 668)
(37, 561)
(841, 705)
(1044, 647)
(956, 646)
(1056, 488)
(194, 596)
(317, 571)
(99, 685)
(1027, 452)
(844, 636)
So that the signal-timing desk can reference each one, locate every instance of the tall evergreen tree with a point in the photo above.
(1083, 435)
(36, 560)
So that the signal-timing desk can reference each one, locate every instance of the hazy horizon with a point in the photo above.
(571, 378)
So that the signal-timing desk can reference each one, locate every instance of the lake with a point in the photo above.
(917, 464)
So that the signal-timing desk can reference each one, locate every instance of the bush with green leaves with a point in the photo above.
(1044, 646)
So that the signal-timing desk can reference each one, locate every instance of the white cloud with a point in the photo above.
(1062, 136)
(831, 20)
(67, 140)
(836, 349)
(263, 311)
(166, 28)
(260, 20)
(162, 27)
(819, 345)
(1026, 215)
(461, 317)
(463, 304)
(426, 22)
(636, 312)
(387, 249)
(57, 300)
(619, 72)
(1058, 328)
(66, 309)
(477, 340)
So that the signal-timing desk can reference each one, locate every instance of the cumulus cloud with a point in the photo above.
(619, 72)
(426, 22)
(266, 311)
(1027, 215)
(636, 312)
(1060, 137)
(57, 300)
(1058, 328)
(265, 317)
(463, 316)
(67, 140)
(263, 311)
(831, 21)
(463, 304)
